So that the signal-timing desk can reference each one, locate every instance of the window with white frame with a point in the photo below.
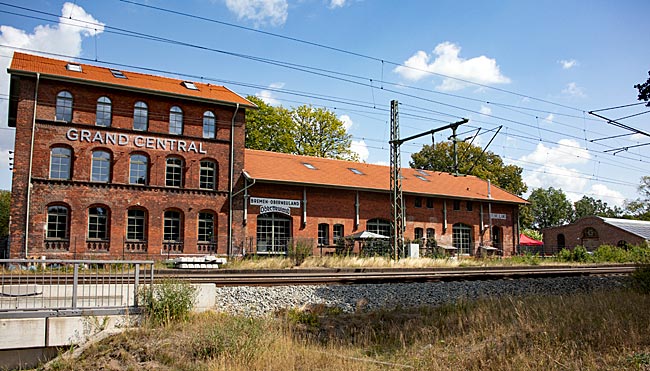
(176, 121)
(103, 115)
(63, 106)
(140, 116)
(209, 125)
(60, 163)
(174, 172)
(100, 167)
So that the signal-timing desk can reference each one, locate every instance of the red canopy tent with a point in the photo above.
(527, 241)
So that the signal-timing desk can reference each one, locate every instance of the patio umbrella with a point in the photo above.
(365, 235)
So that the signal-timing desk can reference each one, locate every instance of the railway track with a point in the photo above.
(330, 276)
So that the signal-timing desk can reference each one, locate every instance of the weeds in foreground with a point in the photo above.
(596, 331)
(167, 302)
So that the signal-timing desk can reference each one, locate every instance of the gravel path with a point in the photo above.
(258, 301)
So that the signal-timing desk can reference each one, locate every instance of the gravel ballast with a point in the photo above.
(260, 301)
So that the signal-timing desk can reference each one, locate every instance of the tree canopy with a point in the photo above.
(5, 201)
(640, 208)
(303, 130)
(549, 207)
(644, 91)
(488, 165)
(587, 206)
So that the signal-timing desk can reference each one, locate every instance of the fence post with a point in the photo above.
(136, 285)
(75, 283)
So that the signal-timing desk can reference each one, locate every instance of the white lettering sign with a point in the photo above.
(275, 209)
(259, 201)
(139, 141)
(498, 216)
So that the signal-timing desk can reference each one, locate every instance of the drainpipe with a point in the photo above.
(356, 210)
(230, 178)
(248, 178)
(31, 160)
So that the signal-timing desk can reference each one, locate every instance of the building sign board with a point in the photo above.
(138, 141)
(260, 201)
(275, 209)
(498, 216)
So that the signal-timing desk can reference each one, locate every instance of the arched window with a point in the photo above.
(60, 163)
(462, 238)
(103, 115)
(136, 227)
(209, 127)
(98, 228)
(138, 169)
(208, 174)
(174, 172)
(418, 233)
(431, 234)
(140, 116)
(561, 242)
(338, 232)
(63, 106)
(57, 222)
(173, 226)
(589, 232)
(379, 226)
(323, 234)
(176, 120)
(273, 233)
(206, 226)
(101, 167)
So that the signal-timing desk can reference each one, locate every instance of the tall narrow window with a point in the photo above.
(63, 106)
(469, 206)
(98, 223)
(418, 202)
(429, 203)
(206, 227)
(60, 163)
(323, 234)
(140, 116)
(207, 175)
(418, 233)
(174, 172)
(462, 238)
(456, 204)
(431, 234)
(337, 232)
(101, 167)
(175, 121)
(57, 223)
(136, 225)
(138, 169)
(209, 127)
(172, 226)
(103, 115)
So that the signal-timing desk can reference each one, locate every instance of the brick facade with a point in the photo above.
(590, 232)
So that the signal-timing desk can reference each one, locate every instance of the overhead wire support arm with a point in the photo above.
(432, 131)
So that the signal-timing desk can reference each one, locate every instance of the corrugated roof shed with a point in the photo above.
(640, 228)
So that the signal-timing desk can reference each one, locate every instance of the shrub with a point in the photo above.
(579, 254)
(608, 253)
(167, 302)
(299, 249)
(640, 279)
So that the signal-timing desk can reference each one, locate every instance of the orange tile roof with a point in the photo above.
(286, 168)
(157, 84)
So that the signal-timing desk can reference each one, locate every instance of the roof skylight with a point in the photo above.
(309, 166)
(73, 67)
(190, 85)
(356, 171)
(422, 178)
(422, 172)
(118, 74)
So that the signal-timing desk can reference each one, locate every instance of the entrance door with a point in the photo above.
(273, 233)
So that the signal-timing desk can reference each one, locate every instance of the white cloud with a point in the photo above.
(267, 95)
(485, 110)
(360, 148)
(337, 4)
(568, 152)
(261, 12)
(638, 137)
(62, 38)
(549, 118)
(573, 90)
(568, 64)
(347, 122)
(602, 192)
(482, 70)
(381, 163)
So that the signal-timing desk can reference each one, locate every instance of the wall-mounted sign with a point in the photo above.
(498, 216)
(275, 209)
(260, 201)
(139, 141)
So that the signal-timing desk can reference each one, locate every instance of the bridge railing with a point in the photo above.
(31, 287)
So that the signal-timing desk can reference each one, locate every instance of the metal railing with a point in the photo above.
(34, 287)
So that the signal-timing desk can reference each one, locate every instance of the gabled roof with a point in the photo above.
(56, 68)
(284, 168)
(640, 228)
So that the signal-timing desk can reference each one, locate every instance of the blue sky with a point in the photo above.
(536, 68)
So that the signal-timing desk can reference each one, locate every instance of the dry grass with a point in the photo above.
(600, 331)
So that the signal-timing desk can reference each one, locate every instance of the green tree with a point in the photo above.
(320, 133)
(640, 208)
(302, 131)
(587, 206)
(5, 203)
(488, 165)
(549, 207)
(269, 128)
(644, 91)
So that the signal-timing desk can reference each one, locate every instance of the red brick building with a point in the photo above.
(593, 231)
(112, 164)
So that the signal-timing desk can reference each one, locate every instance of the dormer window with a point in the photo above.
(73, 67)
(190, 85)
